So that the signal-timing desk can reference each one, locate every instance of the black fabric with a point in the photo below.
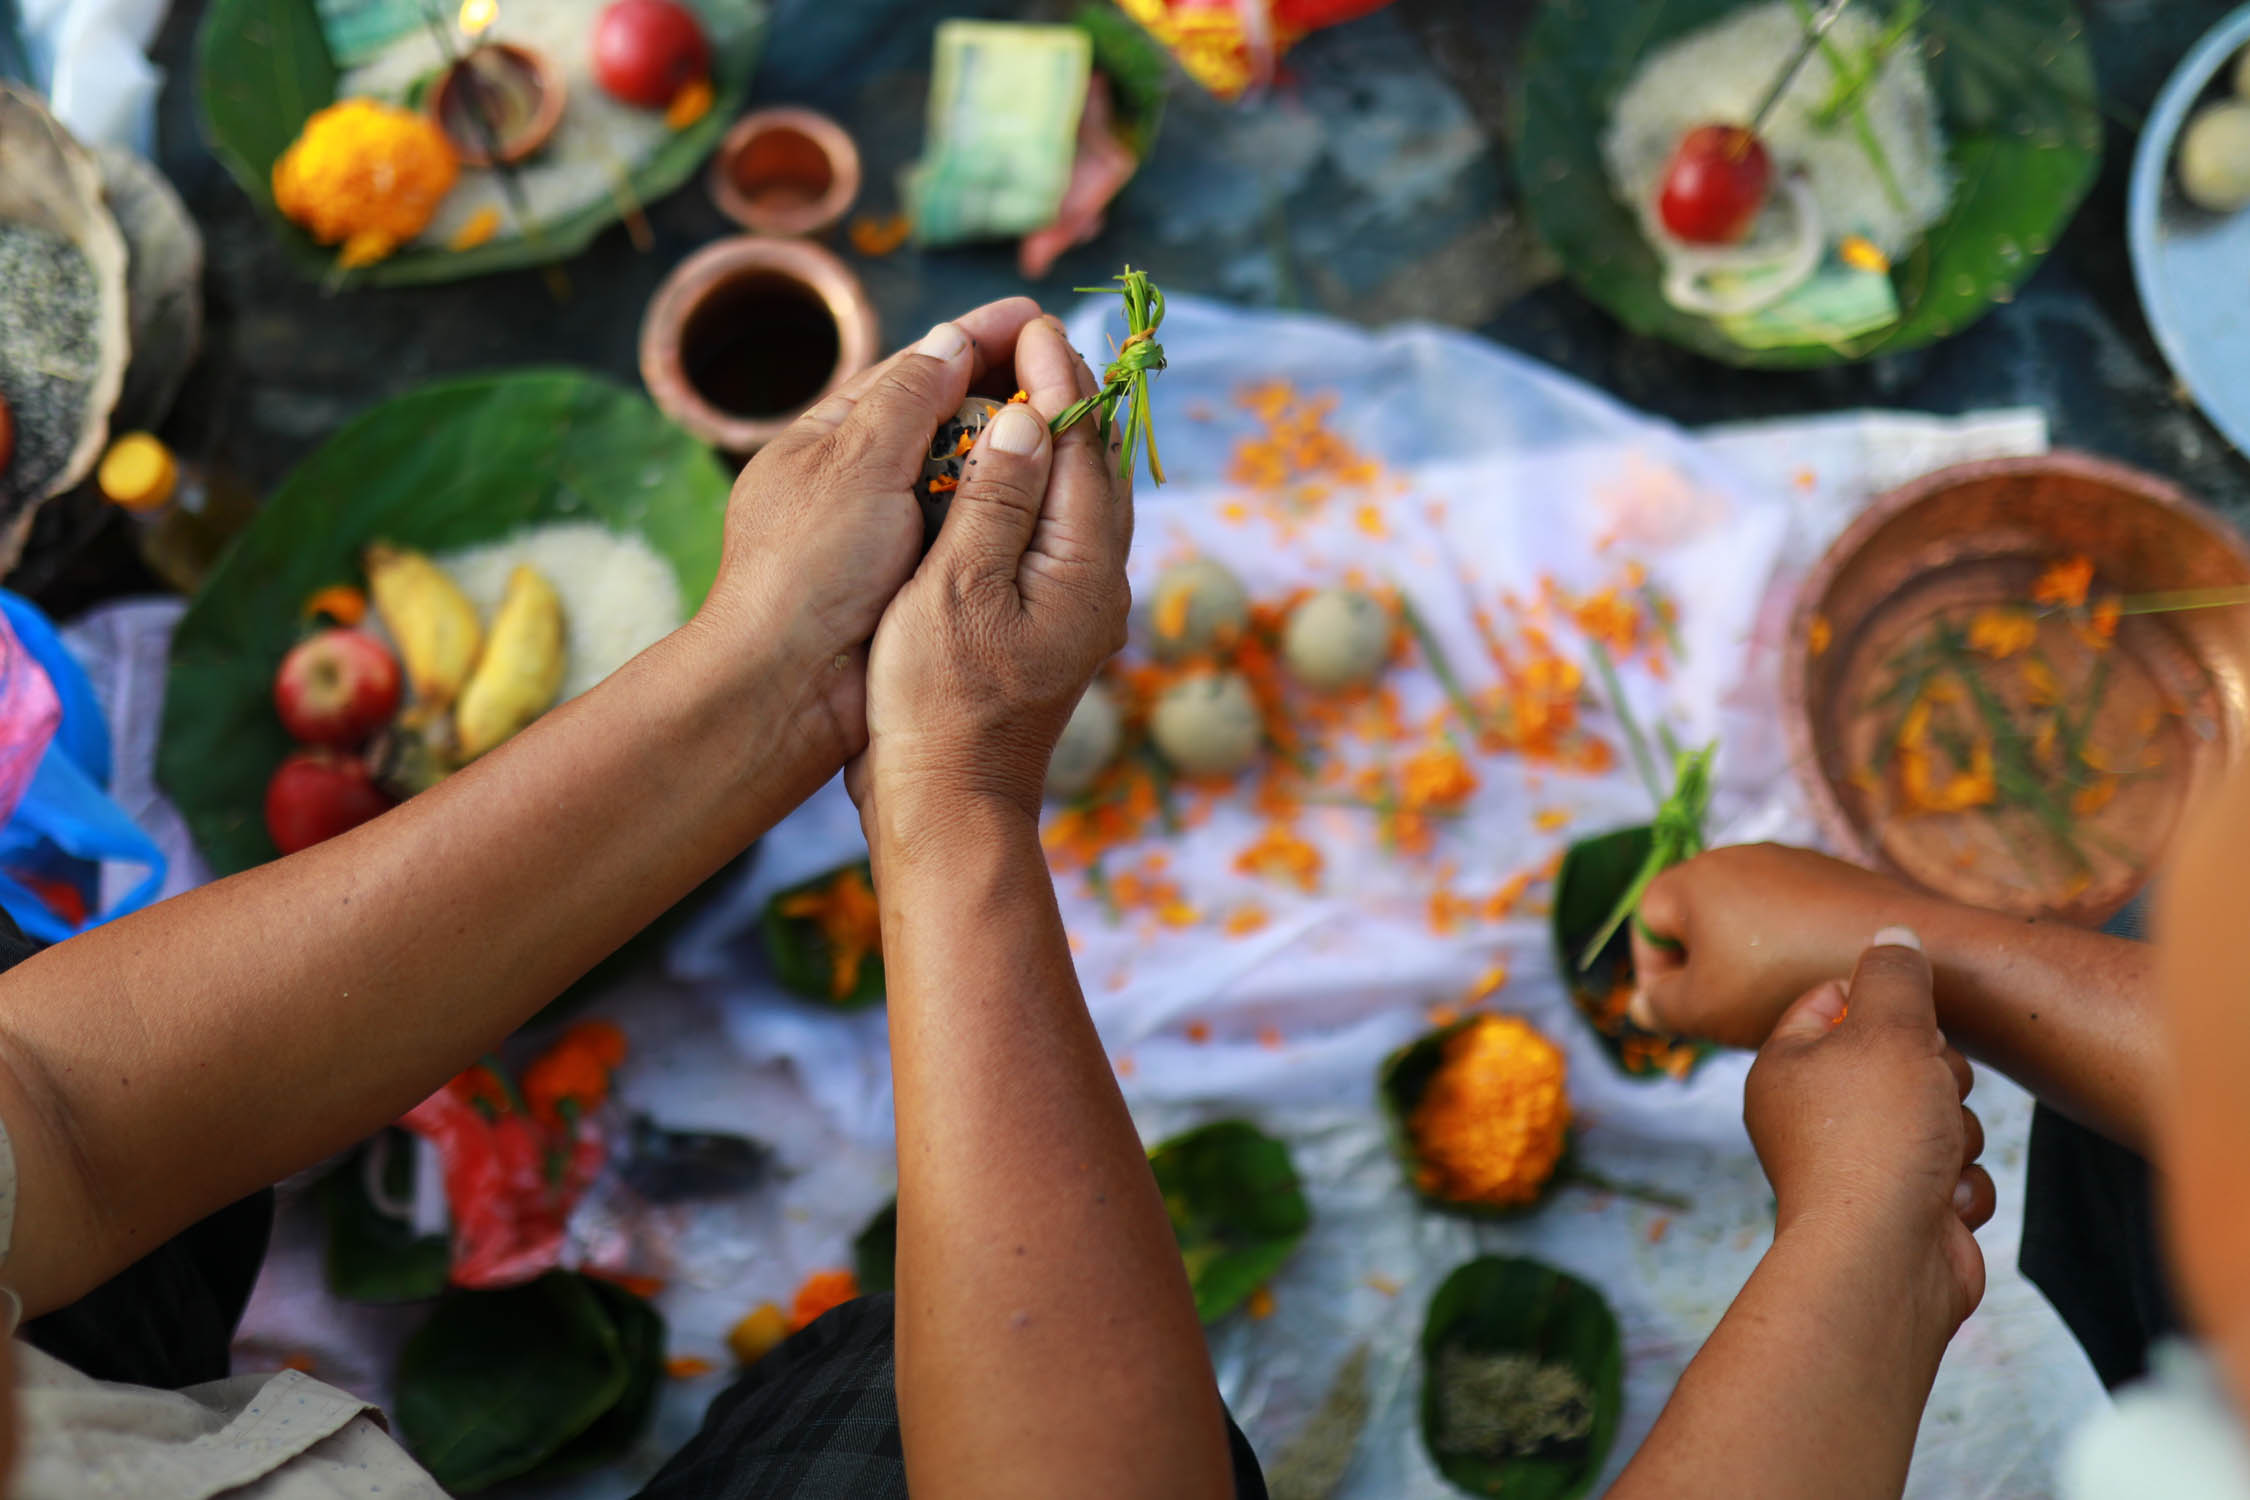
(817, 1419)
(2089, 1231)
(2090, 1245)
(168, 1319)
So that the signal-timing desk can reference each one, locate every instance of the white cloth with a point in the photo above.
(282, 1436)
(2172, 1436)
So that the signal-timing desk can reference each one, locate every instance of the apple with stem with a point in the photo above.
(336, 688)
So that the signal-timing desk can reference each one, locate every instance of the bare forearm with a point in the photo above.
(2067, 1013)
(1813, 1384)
(1047, 1340)
(159, 1067)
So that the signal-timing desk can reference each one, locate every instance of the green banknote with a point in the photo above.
(1003, 130)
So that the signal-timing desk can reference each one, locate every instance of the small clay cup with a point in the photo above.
(785, 171)
(505, 66)
(748, 332)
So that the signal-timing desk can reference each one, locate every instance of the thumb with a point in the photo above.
(1814, 1015)
(1892, 985)
(1003, 487)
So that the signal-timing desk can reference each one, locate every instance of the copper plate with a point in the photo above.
(1979, 534)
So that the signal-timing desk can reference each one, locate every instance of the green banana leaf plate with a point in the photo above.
(448, 466)
(1400, 1083)
(1595, 875)
(264, 68)
(1497, 1305)
(2017, 98)
(1235, 1203)
(798, 950)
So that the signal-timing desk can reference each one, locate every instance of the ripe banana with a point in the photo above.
(432, 621)
(522, 669)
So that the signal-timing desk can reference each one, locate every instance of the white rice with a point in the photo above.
(1720, 75)
(619, 595)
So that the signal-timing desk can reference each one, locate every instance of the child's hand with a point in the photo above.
(1747, 930)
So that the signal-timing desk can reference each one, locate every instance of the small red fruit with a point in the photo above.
(646, 51)
(1715, 185)
(336, 688)
(318, 794)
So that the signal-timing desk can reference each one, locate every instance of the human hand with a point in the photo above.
(1856, 1109)
(1746, 930)
(981, 657)
(823, 526)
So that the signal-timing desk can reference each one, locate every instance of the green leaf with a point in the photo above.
(264, 69)
(372, 1256)
(799, 953)
(1235, 1204)
(1139, 73)
(1236, 1208)
(1400, 1083)
(875, 1252)
(1502, 1305)
(498, 1382)
(1596, 873)
(2015, 84)
(448, 466)
(640, 1337)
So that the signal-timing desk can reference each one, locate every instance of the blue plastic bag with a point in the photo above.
(66, 825)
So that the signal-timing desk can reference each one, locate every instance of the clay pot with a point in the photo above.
(785, 171)
(520, 91)
(748, 332)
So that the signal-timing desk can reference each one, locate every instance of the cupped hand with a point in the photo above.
(1856, 1107)
(1744, 931)
(981, 657)
(823, 526)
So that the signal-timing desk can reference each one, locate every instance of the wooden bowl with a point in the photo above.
(2174, 693)
(785, 171)
(528, 89)
(748, 332)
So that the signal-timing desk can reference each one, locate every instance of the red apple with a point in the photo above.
(646, 51)
(1715, 185)
(318, 794)
(336, 688)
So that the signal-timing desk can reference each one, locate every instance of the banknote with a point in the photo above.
(1005, 100)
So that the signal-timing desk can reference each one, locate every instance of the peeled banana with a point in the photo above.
(522, 668)
(431, 620)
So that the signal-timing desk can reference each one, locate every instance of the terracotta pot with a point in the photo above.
(1975, 535)
(748, 332)
(785, 171)
(516, 72)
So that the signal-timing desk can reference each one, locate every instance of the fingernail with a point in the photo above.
(1643, 1013)
(1896, 937)
(1016, 430)
(944, 342)
(1964, 1196)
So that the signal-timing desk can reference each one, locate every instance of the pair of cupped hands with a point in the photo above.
(944, 679)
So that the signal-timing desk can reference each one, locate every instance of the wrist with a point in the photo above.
(912, 822)
(1883, 1270)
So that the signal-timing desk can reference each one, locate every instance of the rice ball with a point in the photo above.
(1337, 638)
(2215, 157)
(1089, 743)
(1198, 605)
(1208, 725)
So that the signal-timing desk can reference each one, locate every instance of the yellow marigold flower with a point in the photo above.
(1491, 1125)
(2002, 633)
(2065, 583)
(365, 175)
